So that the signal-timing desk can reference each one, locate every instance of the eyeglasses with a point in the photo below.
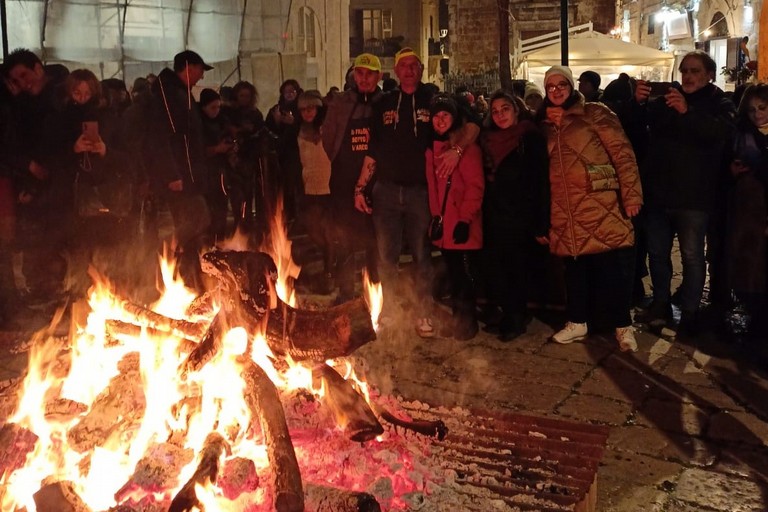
(560, 87)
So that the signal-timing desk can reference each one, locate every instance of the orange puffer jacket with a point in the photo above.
(583, 221)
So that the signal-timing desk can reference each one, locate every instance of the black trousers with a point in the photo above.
(506, 257)
(599, 288)
(461, 273)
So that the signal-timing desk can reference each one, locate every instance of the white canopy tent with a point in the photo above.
(601, 53)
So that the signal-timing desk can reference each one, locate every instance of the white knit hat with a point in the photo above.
(559, 70)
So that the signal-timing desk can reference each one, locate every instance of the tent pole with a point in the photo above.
(564, 32)
(42, 31)
(240, 39)
(189, 22)
(4, 23)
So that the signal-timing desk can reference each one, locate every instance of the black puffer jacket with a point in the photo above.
(174, 144)
(685, 151)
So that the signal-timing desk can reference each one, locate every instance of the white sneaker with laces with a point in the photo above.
(424, 328)
(626, 338)
(570, 333)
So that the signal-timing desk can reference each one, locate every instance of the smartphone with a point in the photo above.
(660, 88)
(91, 130)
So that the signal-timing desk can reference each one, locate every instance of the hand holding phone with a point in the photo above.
(91, 131)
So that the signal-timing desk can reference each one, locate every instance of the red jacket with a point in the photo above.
(465, 196)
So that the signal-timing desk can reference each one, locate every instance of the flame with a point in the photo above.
(278, 246)
(374, 298)
(166, 405)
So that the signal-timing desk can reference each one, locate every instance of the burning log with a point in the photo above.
(319, 335)
(206, 349)
(435, 429)
(352, 412)
(321, 498)
(263, 400)
(59, 497)
(118, 328)
(139, 315)
(17, 443)
(207, 470)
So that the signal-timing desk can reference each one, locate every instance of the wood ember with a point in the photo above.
(207, 471)
(238, 476)
(263, 401)
(352, 412)
(436, 429)
(157, 470)
(17, 443)
(59, 497)
(321, 498)
(64, 408)
(116, 411)
(206, 349)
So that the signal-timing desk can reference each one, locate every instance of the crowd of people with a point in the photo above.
(602, 179)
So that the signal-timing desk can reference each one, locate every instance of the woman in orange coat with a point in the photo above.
(458, 200)
(595, 191)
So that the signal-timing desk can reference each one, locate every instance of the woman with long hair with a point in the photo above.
(515, 208)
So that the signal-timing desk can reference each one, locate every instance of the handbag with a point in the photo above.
(602, 177)
(436, 223)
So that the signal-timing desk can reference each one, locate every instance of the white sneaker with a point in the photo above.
(626, 338)
(570, 333)
(424, 328)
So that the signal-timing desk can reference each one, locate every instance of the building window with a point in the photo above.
(307, 40)
(377, 23)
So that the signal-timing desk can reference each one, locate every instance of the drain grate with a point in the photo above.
(530, 463)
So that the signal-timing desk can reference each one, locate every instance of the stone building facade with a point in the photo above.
(473, 26)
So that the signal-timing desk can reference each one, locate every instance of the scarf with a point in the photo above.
(497, 144)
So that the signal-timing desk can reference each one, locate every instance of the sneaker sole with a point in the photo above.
(568, 341)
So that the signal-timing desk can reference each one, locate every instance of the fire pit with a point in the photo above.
(239, 401)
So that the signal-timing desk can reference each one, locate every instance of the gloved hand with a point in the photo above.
(461, 233)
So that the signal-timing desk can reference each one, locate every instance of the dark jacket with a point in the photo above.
(517, 192)
(174, 142)
(685, 151)
(340, 108)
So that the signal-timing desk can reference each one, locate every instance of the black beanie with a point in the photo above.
(444, 103)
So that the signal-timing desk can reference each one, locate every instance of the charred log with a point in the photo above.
(139, 315)
(352, 412)
(17, 443)
(118, 328)
(59, 497)
(436, 429)
(206, 349)
(320, 498)
(320, 335)
(207, 471)
(263, 400)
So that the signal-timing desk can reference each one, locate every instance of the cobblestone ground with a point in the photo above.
(688, 419)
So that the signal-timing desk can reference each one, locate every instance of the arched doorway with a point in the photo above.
(718, 26)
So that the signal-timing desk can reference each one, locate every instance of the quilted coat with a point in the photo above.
(582, 221)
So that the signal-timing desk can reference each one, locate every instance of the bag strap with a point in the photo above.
(445, 196)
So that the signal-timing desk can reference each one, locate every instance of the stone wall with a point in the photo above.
(474, 26)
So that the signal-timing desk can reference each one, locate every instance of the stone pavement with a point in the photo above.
(689, 421)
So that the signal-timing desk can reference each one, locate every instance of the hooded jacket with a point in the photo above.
(174, 143)
(340, 108)
(583, 221)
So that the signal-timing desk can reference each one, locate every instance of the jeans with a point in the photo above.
(401, 209)
(691, 228)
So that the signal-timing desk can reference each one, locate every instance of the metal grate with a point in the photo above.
(530, 463)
